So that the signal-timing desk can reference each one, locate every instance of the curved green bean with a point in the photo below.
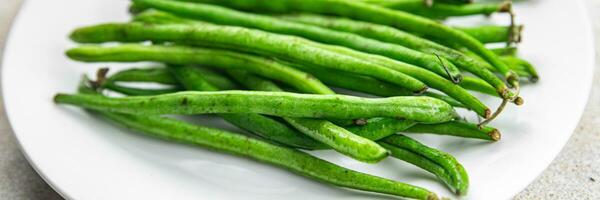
(393, 35)
(420, 109)
(371, 132)
(456, 171)
(376, 14)
(475, 84)
(205, 56)
(505, 51)
(430, 78)
(136, 91)
(225, 16)
(263, 126)
(163, 76)
(242, 39)
(324, 131)
(457, 128)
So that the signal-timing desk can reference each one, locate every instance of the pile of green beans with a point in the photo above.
(319, 75)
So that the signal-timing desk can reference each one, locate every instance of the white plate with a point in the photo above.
(85, 158)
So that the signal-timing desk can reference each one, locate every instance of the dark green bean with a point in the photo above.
(205, 56)
(221, 15)
(393, 35)
(242, 39)
(376, 14)
(525, 66)
(475, 84)
(505, 51)
(152, 74)
(136, 91)
(457, 128)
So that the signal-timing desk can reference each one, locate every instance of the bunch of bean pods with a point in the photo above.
(268, 66)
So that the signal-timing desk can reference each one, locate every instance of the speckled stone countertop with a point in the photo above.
(574, 174)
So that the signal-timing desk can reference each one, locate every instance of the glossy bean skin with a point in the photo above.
(442, 10)
(226, 16)
(324, 131)
(389, 34)
(376, 14)
(204, 56)
(457, 128)
(459, 180)
(420, 109)
(163, 76)
(493, 34)
(378, 128)
(285, 47)
(266, 127)
(475, 84)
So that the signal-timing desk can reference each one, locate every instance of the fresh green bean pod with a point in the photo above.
(324, 131)
(457, 128)
(138, 92)
(225, 16)
(205, 56)
(441, 10)
(287, 158)
(381, 129)
(505, 51)
(241, 39)
(420, 109)
(378, 128)
(393, 35)
(263, 126)
(429, 78)
(494, 34)
(478, 85)
(376, 14)
(457, 173)
(163, 76)
(525, 66)
(152, 74)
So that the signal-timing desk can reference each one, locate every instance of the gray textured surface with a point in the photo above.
(575, 173)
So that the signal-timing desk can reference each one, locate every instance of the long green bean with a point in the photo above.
(393, 35)
(457, 128)
(225, 16)
(442, 10)
(420, 109)
(376, 14)
(267, 44)
(205, 56)
(263, 126)
(371, 130)
(287, 158)
(163, 76)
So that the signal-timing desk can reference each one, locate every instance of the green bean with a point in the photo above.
(457, 173)
(427, 77)
(443, 10)
(204, 56)
(372, 131)
(243, 39)
(390, 34)
(505, 51)
(286, 158)
(376, 14)
(378, 128)
(475, 84)
(526, 67)
(420, 109)
(457, 128)
(136, 91)
(152, 74)
(221, 15)
(263, 126)
(493, 33)
(324, 131)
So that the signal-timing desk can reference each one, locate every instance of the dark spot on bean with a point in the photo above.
(184, 101)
